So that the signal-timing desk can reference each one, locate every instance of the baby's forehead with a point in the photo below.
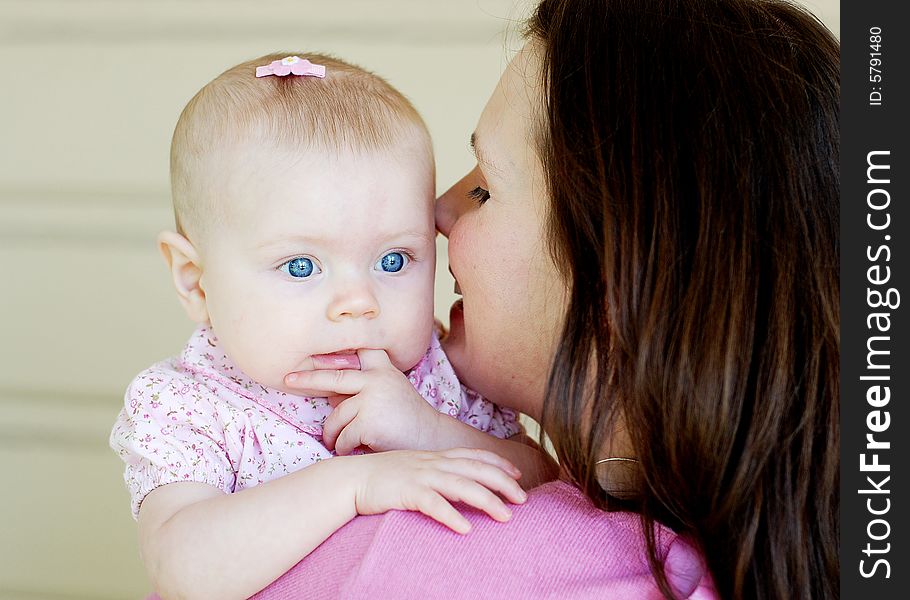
(281, 192)
(406, 162)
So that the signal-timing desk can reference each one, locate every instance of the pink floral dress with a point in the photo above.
(196, 417)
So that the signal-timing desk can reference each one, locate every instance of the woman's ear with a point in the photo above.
(186, 269)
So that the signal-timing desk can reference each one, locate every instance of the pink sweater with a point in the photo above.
(557, 545)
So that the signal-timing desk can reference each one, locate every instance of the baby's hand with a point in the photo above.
(382, 411)
(429, 481)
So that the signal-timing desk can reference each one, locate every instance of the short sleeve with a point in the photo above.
(435, 379)
(169, 430)
(687, 573)
(480, 413)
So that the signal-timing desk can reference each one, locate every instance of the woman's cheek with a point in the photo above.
(458, 242)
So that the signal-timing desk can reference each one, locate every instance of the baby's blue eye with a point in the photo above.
(392, 262)
(300, 267)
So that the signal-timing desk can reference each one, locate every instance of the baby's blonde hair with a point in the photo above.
(350, 110)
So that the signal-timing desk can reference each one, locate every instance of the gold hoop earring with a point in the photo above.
(616, 459)
(622, 482)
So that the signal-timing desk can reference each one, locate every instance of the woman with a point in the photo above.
(648, 256)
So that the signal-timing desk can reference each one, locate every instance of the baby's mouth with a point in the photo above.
(340, 359)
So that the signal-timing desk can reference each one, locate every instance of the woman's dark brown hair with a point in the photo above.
(691, 153)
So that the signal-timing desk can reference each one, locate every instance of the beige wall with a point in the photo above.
(90, 95)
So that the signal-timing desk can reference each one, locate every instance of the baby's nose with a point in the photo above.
(353, 303)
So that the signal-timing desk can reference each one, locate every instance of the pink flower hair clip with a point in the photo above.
(292, 65)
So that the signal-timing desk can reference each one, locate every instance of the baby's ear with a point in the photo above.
(186, 269)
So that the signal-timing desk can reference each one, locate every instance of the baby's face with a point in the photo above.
(319, 254)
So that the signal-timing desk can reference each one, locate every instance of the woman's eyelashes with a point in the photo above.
(300, 267)
(479, 194)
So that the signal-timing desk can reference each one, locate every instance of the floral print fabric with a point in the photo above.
(197, 417)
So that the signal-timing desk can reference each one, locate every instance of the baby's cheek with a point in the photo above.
(408, 344)
(408, 321)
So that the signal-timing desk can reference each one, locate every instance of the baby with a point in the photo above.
(305, 248)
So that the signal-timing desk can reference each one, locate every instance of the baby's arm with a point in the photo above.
(385, 412)
(504, 435)
(198, 542)
(536, 466)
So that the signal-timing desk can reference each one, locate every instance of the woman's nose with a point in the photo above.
(354, 301)
(450, 206)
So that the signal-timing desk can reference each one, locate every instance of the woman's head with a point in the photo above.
(689, 162)
(503, 329)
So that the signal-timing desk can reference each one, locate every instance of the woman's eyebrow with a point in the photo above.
(481, 157)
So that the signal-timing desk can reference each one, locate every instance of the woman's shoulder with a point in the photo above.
(558, 510)
(605, 549)
(557, 544)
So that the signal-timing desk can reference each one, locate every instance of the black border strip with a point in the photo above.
(875, 226)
